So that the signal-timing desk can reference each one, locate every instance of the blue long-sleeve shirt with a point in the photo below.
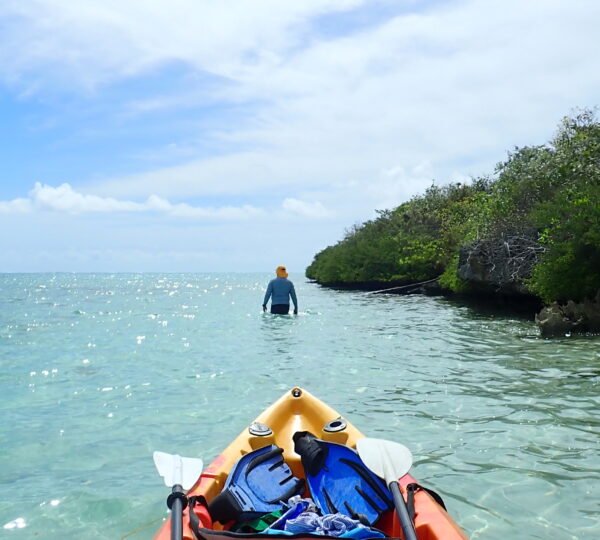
(280, 289)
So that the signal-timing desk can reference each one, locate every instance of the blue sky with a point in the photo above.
(237, 135)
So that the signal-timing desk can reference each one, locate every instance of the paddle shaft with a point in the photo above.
(408, 529)
(177, 514)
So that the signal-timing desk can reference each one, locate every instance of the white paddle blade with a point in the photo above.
(178, 470)
(388, 460)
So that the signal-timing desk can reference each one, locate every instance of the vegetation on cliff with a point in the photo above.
(531, 227)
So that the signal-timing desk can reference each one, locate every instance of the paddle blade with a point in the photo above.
(177, 470)
(388, 460)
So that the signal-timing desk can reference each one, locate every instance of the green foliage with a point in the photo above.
(414, 242)
(569, 221)
(420, 259)
(450, 281)
(367, 253)
(550, 193)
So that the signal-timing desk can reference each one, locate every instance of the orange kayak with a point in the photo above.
(299, 411)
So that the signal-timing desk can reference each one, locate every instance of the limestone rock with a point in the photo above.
(557, 320)
(552, 321)
(500, 265)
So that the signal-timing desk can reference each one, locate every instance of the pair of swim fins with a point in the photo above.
(261, 482)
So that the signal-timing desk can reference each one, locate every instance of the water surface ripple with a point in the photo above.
(97, 371)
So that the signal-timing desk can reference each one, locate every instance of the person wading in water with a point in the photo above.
(280, 289)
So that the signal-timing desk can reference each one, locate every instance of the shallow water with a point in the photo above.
(97, 371)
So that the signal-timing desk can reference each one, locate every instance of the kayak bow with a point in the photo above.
(299, 411)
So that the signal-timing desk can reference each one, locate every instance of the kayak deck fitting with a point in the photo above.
(274, 435)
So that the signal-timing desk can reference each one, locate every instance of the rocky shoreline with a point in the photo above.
(554, 320)
(495, 272)
(503, 267)
(572, 317)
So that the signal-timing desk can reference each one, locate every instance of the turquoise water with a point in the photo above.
(97, 371)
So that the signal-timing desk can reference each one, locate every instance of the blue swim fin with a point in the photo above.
(259, 483)
(339, 481)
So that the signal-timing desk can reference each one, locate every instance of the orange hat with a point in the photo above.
(281, 272)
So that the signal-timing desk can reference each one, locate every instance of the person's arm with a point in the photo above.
(268, 295)
(294, 299)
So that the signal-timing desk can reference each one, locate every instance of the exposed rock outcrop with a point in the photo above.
(558, 320)
(500, 265)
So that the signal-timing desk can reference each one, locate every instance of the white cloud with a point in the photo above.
(99, 41)
(454, 87)
(306, 209)
(395, 185)
(64, 199)
(16, 206)
(224, 213)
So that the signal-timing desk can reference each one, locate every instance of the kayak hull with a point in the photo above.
(298, 410)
